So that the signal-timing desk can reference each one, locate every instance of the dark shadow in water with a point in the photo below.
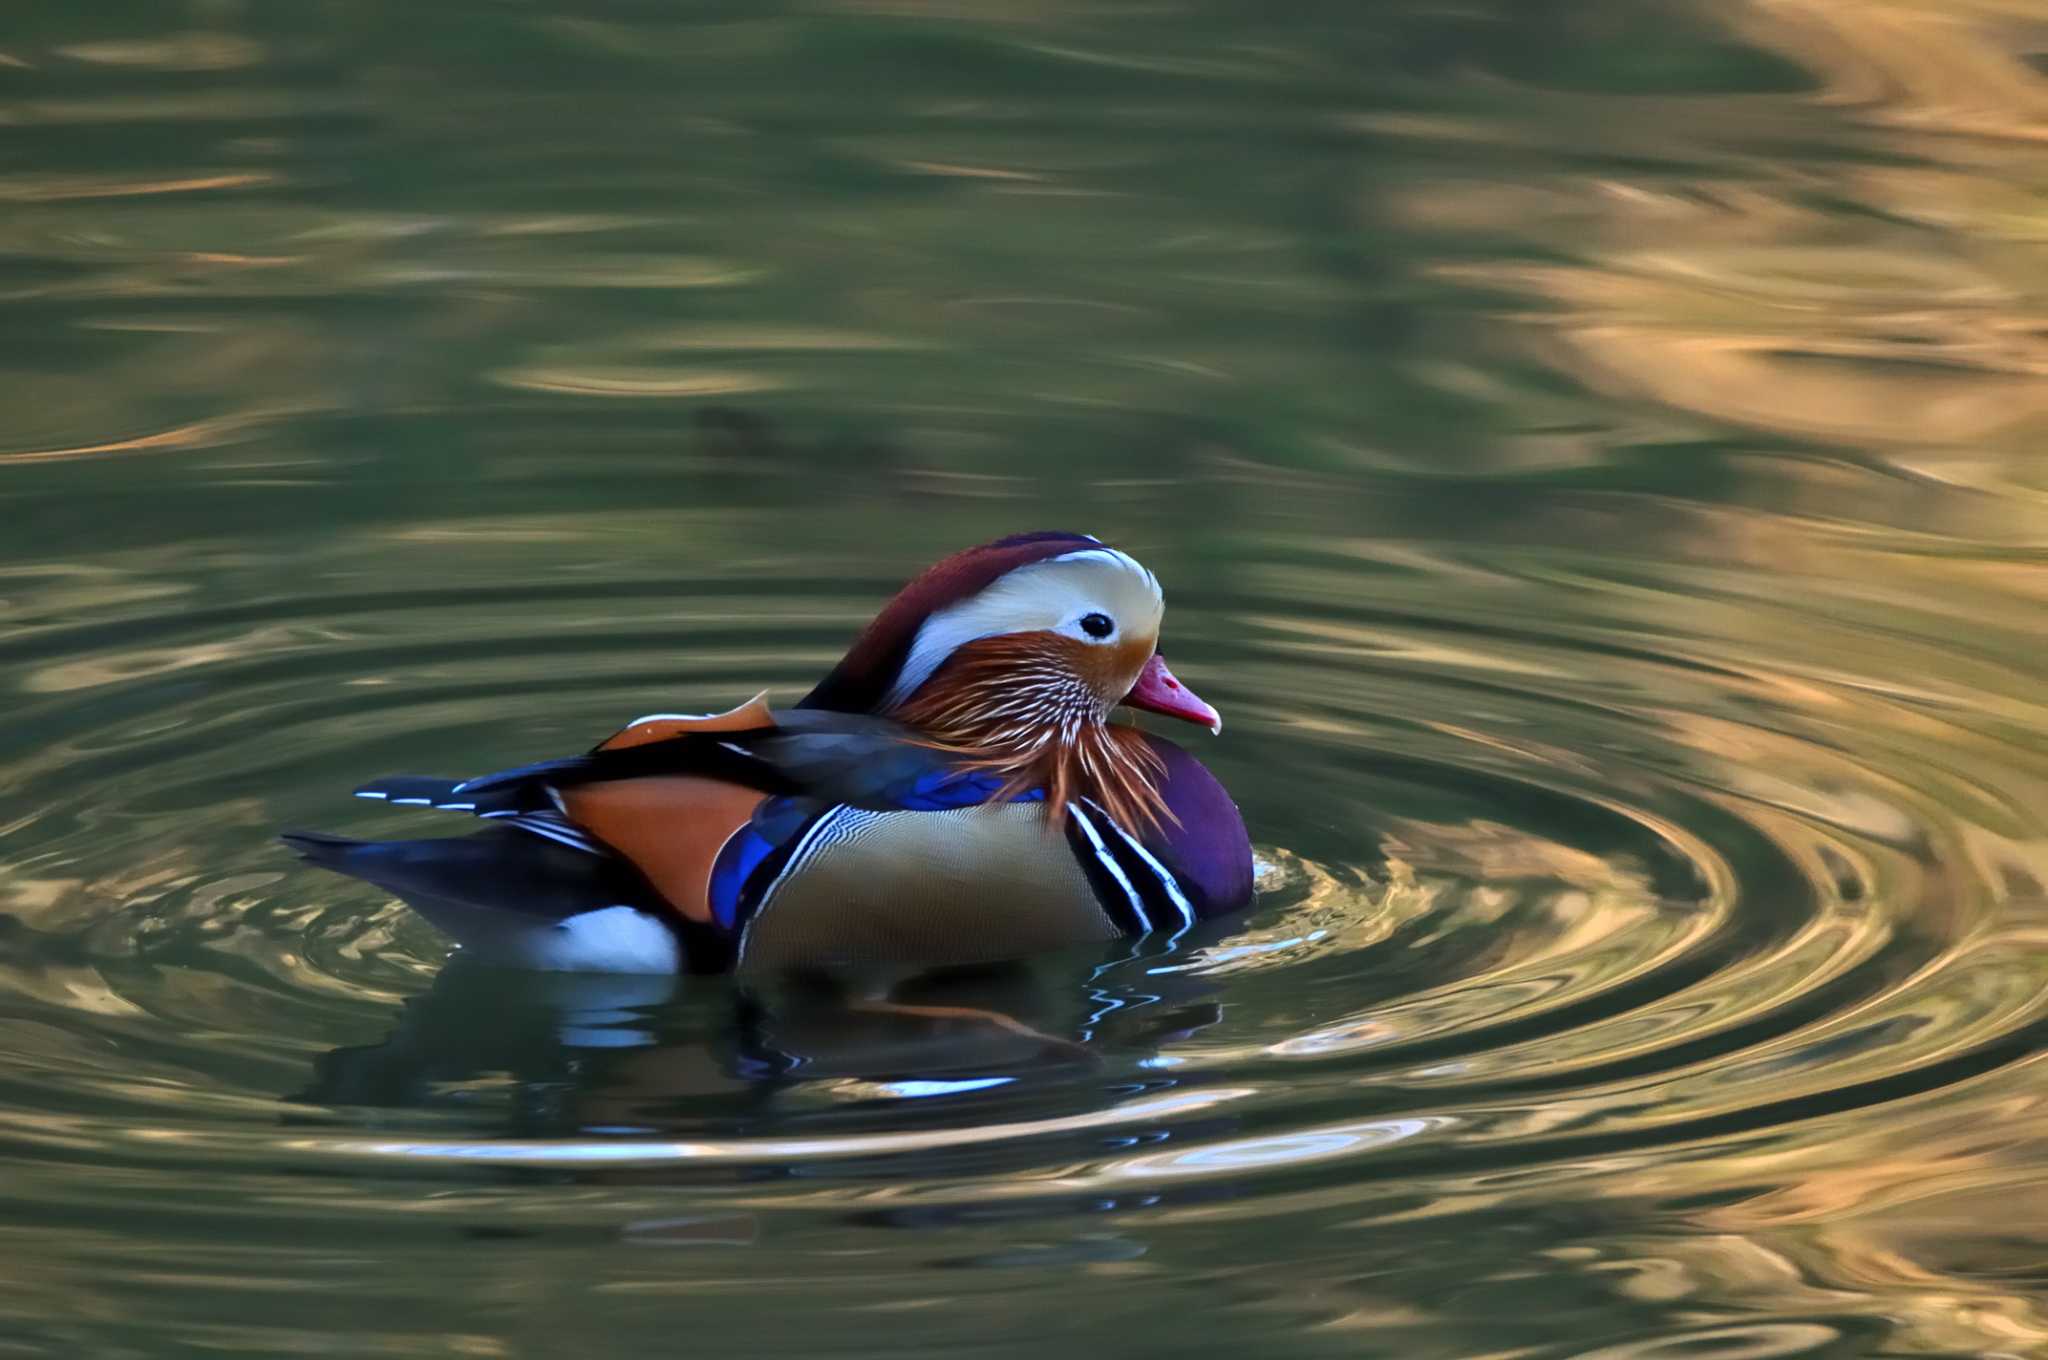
(557, 1054)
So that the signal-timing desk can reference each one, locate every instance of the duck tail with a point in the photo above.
(316, 847)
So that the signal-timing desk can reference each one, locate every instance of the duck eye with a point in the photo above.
(1097, 625)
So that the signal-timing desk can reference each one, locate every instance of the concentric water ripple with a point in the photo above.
(1593, 453)
(1547, 914)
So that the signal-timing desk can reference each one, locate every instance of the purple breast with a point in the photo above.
(1209, 851)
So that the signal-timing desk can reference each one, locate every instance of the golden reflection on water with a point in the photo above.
(1647, 734)
(1749, 301)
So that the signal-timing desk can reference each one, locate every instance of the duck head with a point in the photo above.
(1017, 654)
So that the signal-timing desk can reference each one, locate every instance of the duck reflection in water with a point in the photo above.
(532, 1054)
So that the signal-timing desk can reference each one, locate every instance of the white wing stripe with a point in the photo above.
(561, 835)
(805, 849)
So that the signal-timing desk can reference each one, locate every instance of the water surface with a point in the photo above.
(1593, 451)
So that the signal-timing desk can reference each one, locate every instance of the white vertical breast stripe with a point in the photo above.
(1108, 862)
(1166, 878)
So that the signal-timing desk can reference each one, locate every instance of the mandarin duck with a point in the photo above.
(957, 790)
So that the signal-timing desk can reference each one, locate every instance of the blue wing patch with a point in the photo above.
(944, 790)
(737, 859)
(736, 877)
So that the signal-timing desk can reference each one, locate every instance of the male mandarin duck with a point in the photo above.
(954, 791)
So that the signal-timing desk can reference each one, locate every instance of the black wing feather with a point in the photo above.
(836, 757)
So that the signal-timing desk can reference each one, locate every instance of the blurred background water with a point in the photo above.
(1595, 454)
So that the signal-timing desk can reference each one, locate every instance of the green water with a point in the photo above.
(1595, 456)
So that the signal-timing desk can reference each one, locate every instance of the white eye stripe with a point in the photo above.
(1052, 595)
(1121, 558)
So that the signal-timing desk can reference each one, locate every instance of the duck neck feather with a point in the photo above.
(1021, 708)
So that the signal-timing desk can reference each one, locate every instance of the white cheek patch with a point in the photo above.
(1048, 596)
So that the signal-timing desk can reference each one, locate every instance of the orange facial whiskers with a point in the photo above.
(1033, 707)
